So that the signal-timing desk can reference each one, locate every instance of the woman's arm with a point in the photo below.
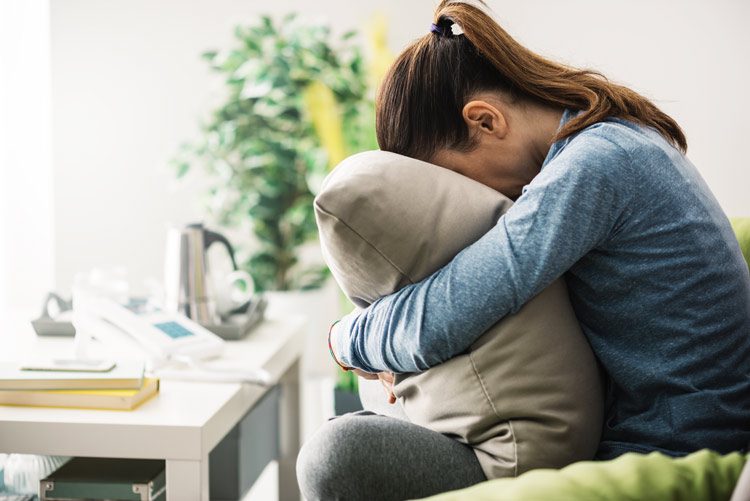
(570, 207)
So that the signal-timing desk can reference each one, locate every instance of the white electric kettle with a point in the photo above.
(189, 287)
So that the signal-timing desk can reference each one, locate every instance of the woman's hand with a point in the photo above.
(387, 379)
(365, 375)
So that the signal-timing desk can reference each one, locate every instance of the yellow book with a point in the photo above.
(83, 399)
(125, 375)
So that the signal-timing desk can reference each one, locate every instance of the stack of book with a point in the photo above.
(123, 387)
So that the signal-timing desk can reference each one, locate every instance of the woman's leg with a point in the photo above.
(368, 456)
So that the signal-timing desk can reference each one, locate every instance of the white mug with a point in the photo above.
(229, 294)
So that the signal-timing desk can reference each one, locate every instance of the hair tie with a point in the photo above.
(446, 29)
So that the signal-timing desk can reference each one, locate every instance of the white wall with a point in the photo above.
(128, 87)
(26, 217)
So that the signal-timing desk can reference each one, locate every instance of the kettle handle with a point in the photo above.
(211, 237)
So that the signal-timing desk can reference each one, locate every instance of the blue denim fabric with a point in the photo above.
(655, 276)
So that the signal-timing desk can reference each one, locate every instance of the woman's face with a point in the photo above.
(510, 143)
(506, 169)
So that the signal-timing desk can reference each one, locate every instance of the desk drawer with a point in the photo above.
(238, 460)
(105, 478)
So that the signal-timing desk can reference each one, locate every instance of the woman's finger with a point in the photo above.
(386, 378)
(365, 375)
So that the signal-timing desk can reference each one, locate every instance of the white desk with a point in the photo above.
(181, 425)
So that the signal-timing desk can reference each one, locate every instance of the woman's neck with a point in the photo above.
(542, 122)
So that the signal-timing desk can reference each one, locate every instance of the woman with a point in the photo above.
(604, 197)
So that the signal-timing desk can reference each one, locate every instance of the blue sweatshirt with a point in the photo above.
(655, 275)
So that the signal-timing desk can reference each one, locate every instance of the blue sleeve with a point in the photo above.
(571, 205)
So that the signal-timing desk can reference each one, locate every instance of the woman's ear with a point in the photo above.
(484, 118)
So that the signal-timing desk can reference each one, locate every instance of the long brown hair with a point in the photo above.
(420, 102)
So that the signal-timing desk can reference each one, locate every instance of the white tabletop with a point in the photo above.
(184, 421)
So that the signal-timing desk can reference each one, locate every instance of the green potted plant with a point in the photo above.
(297, 102)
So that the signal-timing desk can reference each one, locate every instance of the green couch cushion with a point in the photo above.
(703, 475)
(741, 228)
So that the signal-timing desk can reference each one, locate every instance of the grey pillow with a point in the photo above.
(528, 393)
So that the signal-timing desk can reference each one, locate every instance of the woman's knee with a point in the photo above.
(368, 456)
(328, 461)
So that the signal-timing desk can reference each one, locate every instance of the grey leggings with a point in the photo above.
(368, 456)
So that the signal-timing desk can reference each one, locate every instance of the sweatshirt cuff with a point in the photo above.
(341, 340)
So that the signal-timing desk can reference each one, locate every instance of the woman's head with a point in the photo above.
(466, 86)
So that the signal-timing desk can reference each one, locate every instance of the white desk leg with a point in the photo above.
(187, 480)
(289, 433)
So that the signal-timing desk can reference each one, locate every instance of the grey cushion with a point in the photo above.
(528, 393)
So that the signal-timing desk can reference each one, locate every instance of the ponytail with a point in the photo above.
(421, 99)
